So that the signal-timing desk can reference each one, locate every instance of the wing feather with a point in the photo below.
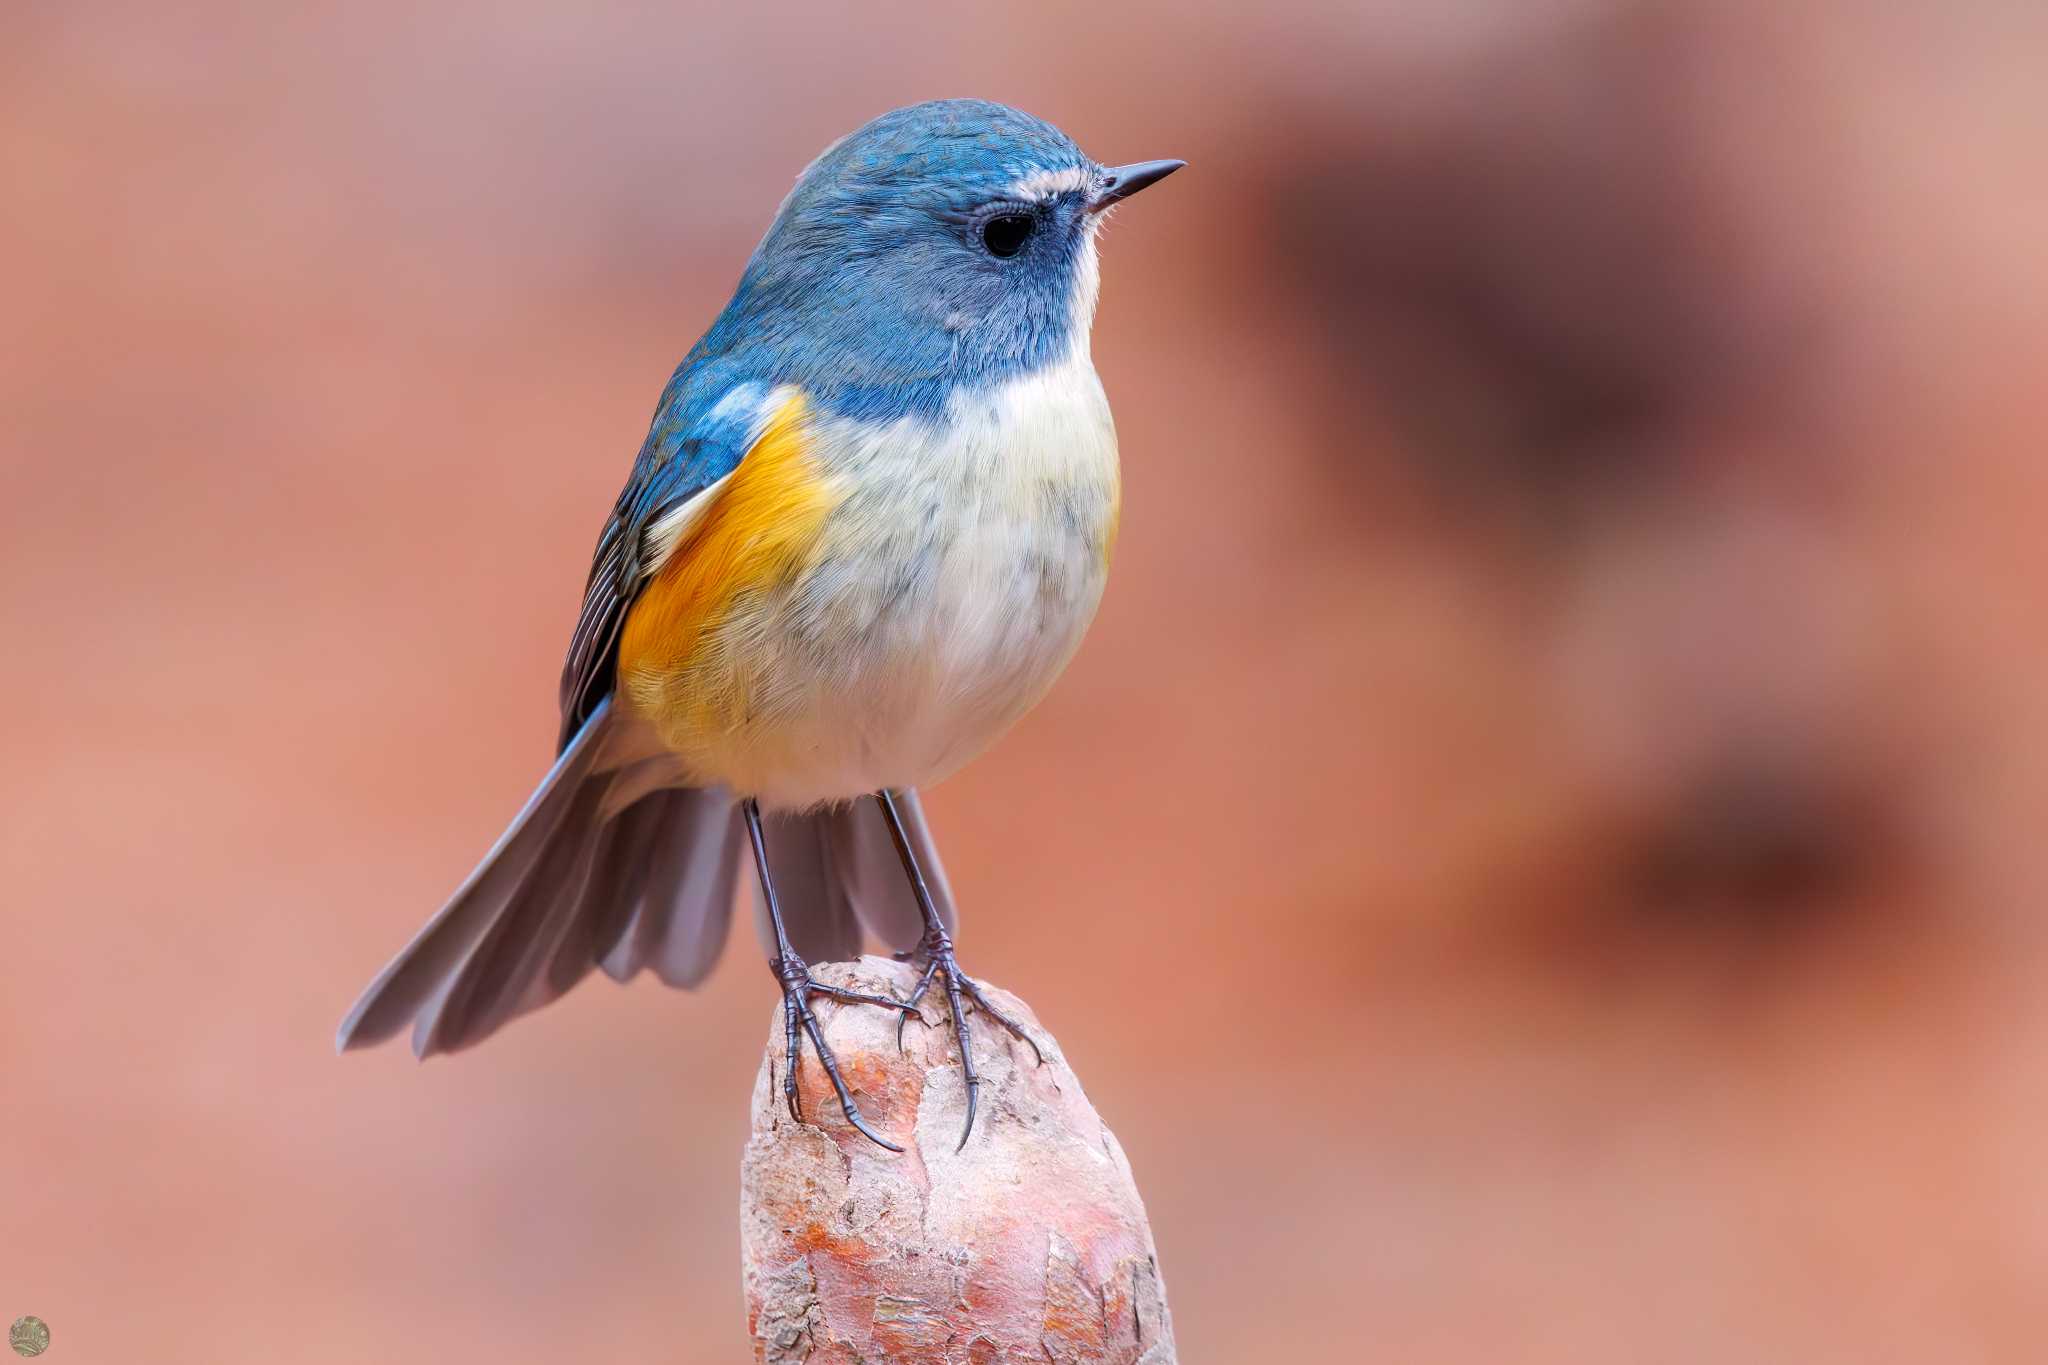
(702, 429)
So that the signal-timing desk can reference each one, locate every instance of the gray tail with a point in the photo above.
(609, 866)
(837, 872)
(605, 867)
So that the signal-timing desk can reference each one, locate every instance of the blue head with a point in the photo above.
(944, 244)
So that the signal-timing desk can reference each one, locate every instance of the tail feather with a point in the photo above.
(618, 889)
(816, 907)
(707, 873)
(600, 865)
(414, 977)
(872, 870)
(837, 872)
(610, 866)
(487, 986)
(695, 861)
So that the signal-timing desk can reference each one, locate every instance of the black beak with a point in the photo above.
(1121, 182)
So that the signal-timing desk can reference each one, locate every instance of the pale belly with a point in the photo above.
(949, 589)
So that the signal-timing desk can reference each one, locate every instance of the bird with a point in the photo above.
(869, 525)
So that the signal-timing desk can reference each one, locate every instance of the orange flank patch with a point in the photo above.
(755, 536)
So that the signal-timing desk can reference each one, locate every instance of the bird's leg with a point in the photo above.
(937, 950)
(797, 988)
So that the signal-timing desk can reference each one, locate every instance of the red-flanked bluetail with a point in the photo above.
(867, 530)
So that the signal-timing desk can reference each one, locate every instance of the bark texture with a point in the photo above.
(1029, 1245)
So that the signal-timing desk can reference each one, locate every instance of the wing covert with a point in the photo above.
(702, 429)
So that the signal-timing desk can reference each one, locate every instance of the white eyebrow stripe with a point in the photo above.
(1046, 184)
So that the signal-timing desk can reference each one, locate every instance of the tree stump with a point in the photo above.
(1028, 1245)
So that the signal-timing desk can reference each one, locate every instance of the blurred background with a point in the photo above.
(1540, 859)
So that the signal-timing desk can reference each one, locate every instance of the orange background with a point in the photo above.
(1540, 859)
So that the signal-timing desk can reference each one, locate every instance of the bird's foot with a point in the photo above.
(798, 987)
(939, 962)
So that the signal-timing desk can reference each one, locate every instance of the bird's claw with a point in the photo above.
(940, 961)
(797, 988)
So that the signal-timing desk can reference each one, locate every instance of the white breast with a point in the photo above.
(954, 583)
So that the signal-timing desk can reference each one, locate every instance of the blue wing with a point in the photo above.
(707, 419)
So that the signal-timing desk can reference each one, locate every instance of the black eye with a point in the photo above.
(1005, 236)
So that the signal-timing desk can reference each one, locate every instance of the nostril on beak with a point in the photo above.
(1121, 182)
